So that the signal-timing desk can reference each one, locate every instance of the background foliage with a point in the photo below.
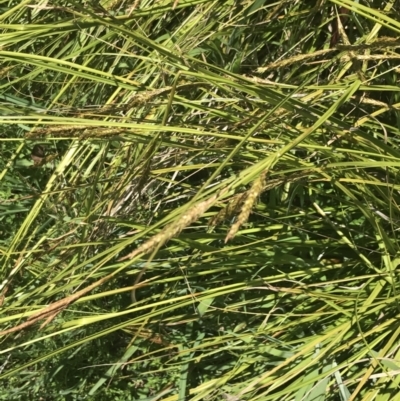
(199, 200)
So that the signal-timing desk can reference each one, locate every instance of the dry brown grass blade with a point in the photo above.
(3, 295)
(53, 309)
(337, 25)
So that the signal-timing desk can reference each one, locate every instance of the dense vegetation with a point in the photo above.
(199, 200)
